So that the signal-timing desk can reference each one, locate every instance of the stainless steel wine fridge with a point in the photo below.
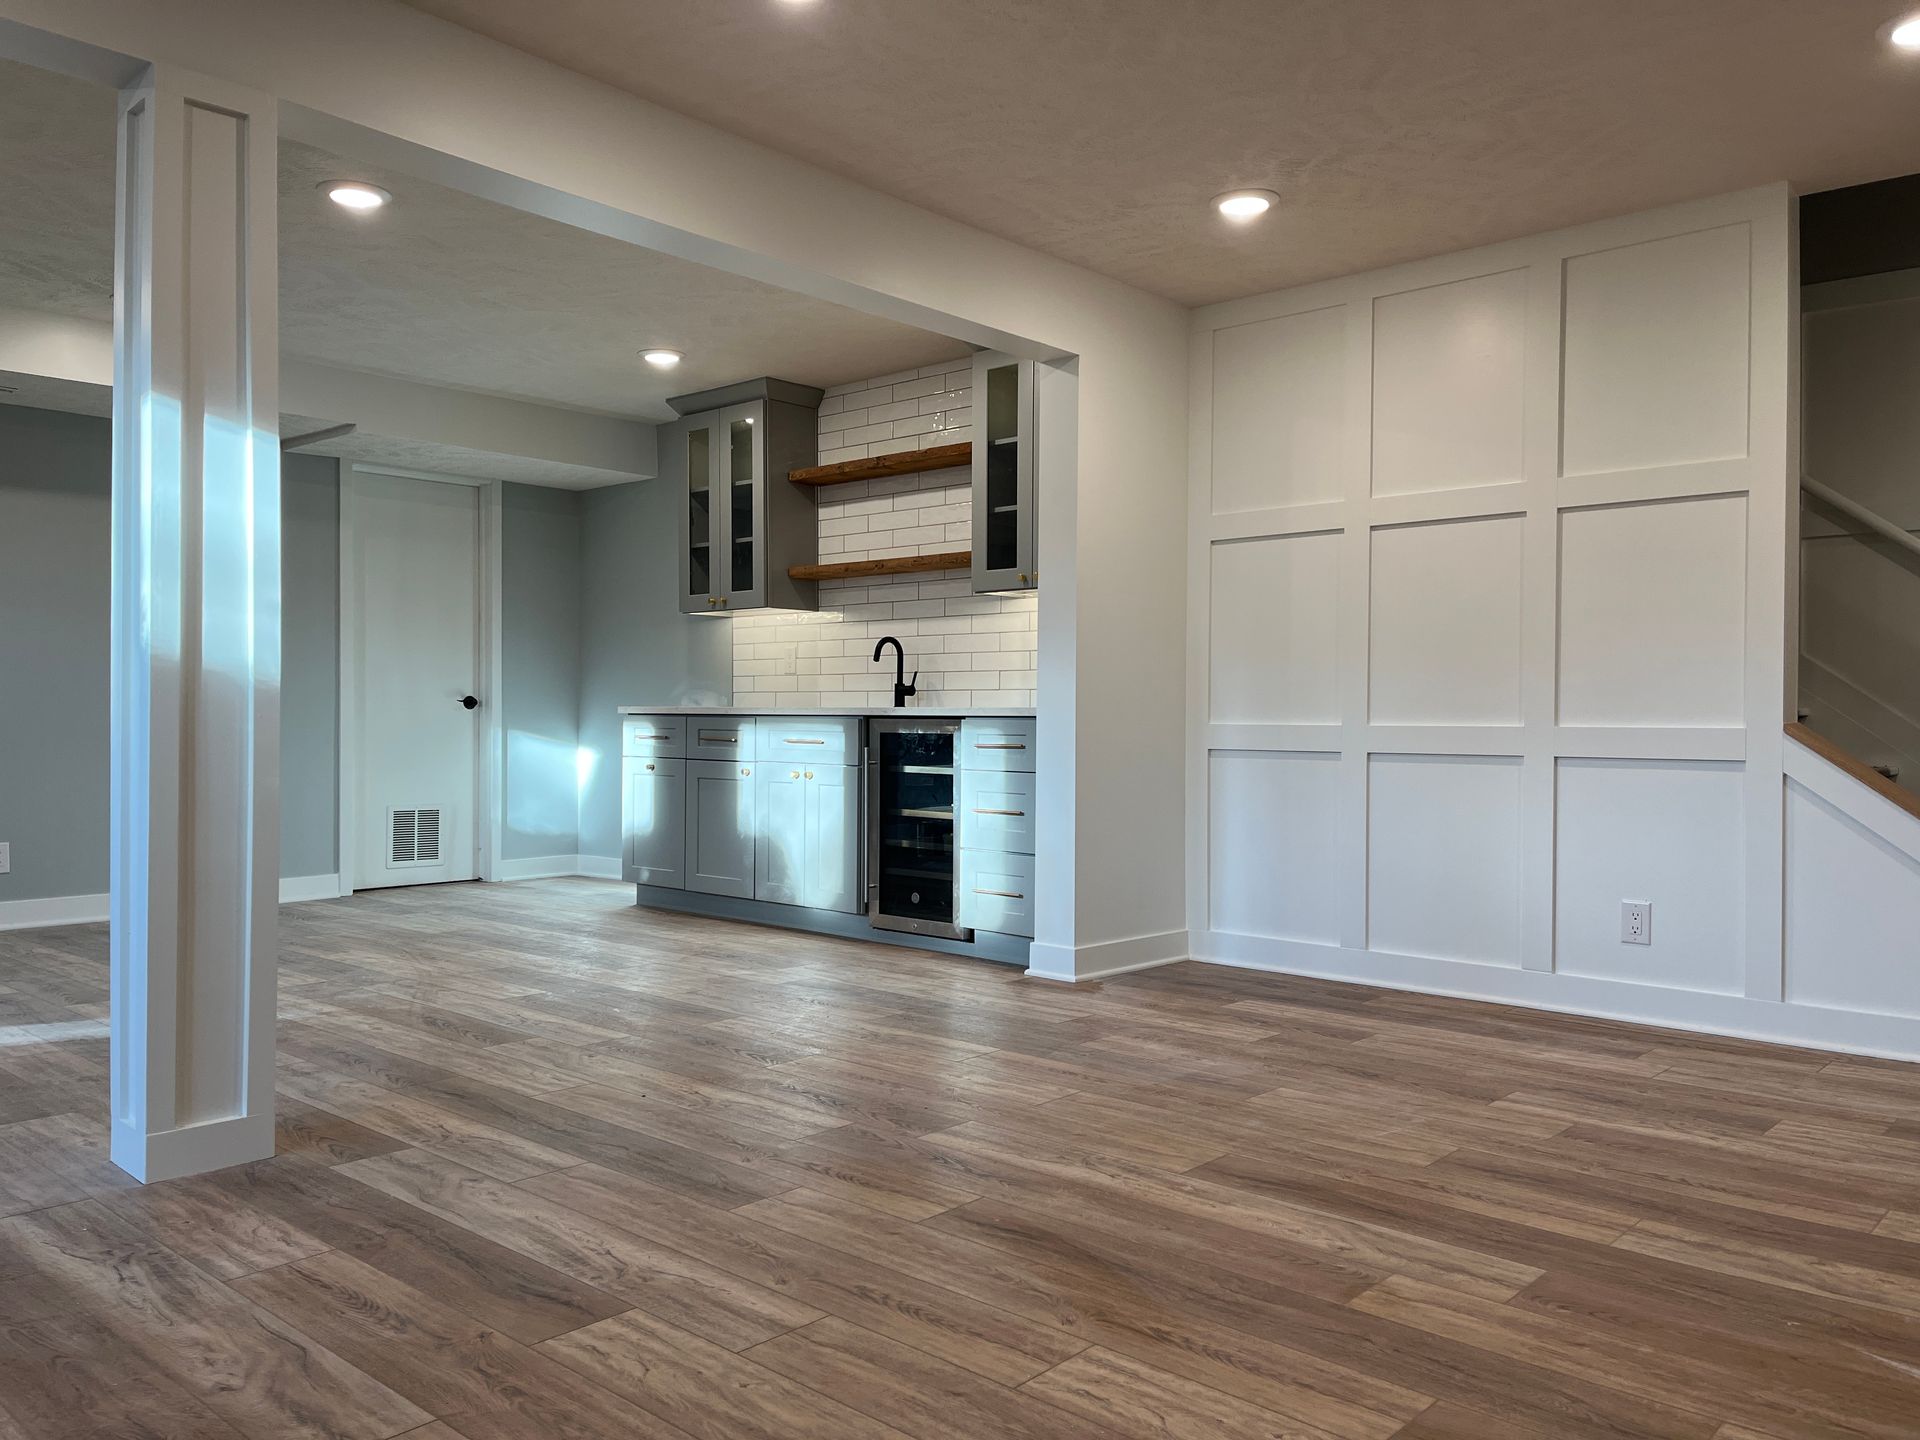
(912, 841)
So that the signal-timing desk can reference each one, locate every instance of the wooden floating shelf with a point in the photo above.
(898, 565)
(880, 467)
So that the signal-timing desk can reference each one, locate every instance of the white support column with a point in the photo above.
(196, 627)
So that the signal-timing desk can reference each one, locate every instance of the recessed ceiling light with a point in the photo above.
(662, 359)
(355, 194)
(1245, 205)
(1906, 35)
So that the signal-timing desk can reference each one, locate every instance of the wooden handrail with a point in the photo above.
(1907, 800)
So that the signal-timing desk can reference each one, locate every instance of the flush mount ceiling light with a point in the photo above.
(1906, 35)
(1245, 205)
(661, 358)
(355, 194)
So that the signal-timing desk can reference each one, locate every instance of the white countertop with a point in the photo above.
(932, 712)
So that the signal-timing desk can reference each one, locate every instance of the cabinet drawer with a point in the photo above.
(997, 744)
(996, 810)
(727, 738)
(660, 735)
(996, 892)
(813, 741)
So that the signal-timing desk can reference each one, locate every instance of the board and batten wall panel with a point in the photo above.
(1491, 585)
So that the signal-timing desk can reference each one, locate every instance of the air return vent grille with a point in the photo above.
(413, 837)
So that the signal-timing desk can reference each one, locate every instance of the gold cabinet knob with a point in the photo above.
(649, 767)
(793, 775)
(809, 774)
(745, 771)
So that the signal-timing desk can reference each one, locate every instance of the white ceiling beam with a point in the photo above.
(63, 348)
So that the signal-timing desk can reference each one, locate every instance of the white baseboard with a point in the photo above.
(1852, 1032)
(1074, 963)
(553, 867)
(55, 910)
(538, 867)
(193, 1149)
(297, 889)
(92, 909)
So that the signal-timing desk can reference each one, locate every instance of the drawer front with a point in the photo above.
(996, 892)
(727, 738)
(997, 744)
(654, 735)
(811, 741)
(996, 810)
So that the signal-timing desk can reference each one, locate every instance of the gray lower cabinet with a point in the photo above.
(998, 788)
(654, 822)
(720, 828)
(809, 840)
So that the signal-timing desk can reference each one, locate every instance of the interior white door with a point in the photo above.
(416, 579)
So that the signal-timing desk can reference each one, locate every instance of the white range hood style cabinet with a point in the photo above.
(739, 532)
(1005, 512)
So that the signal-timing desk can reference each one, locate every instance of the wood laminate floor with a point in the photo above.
(553, 1167)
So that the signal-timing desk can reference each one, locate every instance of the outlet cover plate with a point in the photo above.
(1636, 922)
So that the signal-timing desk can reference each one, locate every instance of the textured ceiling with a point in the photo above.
(1097, 130)
(439, 287)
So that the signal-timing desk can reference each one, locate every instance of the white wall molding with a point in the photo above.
(54, 910)
(599, 867)
(1461, 534)
(1108, 958)
(1853, 1032)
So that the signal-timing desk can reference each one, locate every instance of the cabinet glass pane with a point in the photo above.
(699, 511)
(740, 493)
(1002, 538)
(915, 863)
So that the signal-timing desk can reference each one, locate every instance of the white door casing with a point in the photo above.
(416, 620)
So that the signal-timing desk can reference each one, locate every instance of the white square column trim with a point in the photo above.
(196, 627)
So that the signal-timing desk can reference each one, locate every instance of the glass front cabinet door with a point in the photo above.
(744, 524)
(1004, 523)
(690, 461)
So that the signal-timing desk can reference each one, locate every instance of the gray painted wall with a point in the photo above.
(636, 648)
(540, 590)
(592, 621)
(309, 665)
(56, 476)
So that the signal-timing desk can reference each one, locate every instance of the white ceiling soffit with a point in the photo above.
(80, 397)
(439, 287)
(1097, 130)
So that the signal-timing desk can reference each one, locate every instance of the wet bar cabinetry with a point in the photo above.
(738, 531)
(897, 826)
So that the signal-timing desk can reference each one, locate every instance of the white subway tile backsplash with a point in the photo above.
(970, 649)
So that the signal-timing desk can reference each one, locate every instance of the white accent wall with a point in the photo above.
(1490, 599)
(968, 649)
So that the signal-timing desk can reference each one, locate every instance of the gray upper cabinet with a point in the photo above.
(743, 524)
(1005, 535)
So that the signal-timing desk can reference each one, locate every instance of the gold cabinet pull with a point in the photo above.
(1001, 894)
(801, 740)
(999, 812)
(983, 745)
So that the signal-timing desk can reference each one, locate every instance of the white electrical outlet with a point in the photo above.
(1636, 922)
(6, 857)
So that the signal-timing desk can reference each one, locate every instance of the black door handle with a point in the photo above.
(471, 702)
